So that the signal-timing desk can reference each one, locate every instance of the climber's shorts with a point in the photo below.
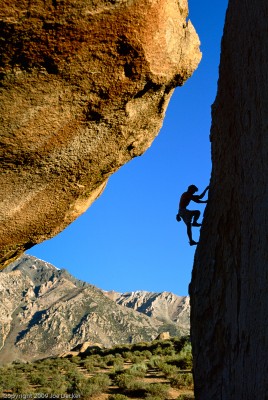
(186, 215)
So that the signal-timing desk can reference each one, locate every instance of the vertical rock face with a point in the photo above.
(84, 88)
(230, 279)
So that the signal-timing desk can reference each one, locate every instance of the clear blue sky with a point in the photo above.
(129, 239)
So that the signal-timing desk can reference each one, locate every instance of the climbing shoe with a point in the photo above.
(196, 224)
(193, 243)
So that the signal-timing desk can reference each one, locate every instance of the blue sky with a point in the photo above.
(129, 239)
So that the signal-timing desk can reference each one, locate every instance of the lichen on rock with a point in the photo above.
(84, 88)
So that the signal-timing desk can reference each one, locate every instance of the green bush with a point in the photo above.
(181, 380)
(154, 361)
(147, 354)
(185, 356)
(21, 385)
(129, 383)
(138, 370)
(38, 378)
(140, 347)
(74, 379)
(127, 355)
(63, 375)
(186, 397)
(13, 380)
(158, 389)
(168, 370)
(89, 365)
(117, 397)
(58, 384)
(125, 381)
(95, 385)
(75, 359)
(87, 388)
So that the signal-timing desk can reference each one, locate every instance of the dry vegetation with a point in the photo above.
(160, 370)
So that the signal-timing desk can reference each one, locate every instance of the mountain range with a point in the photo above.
(46, 312)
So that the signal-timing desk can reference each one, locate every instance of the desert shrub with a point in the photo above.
(75, 359)
(179, 342)
(124, 381)
(62, 364)
(138, 370)
(95, 385)
(120, 349)
(74, 379)
(20, 385)
(38, 378)
(11, 379)
(138, 353)
(141, 346)
(185, 356)
(102, 380)
(87, 388)
(138, 387)
(154, 361)
(90, 360)
(152, 397)
(147, 354)
(164, 348)
(27, 367)
(127, 355)
(117, 397)
(135, 358)
(89, 365)
(116, 361)
(186, 397)
(96, 359)
(158, 389)
(58, 384)
(129, 383)
(118, 366)
(168, 370)
(181, 380)
(157, 350)
(109, 359)
(169, 351)
(183, 360)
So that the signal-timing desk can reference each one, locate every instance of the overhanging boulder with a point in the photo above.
(84, 88)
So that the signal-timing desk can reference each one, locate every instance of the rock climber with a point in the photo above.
(187, 215)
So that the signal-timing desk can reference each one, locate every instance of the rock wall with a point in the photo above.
(84, 88)
(229, 285)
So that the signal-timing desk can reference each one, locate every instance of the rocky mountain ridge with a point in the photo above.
(46, 311)
(164, 306)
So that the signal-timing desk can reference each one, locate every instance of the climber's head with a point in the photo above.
(192, 189)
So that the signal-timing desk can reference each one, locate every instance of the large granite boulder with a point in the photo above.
(84, 88)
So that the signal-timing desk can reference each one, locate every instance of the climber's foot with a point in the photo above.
(193, 243)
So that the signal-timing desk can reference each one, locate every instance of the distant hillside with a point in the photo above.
(165, 306)
(46, 311)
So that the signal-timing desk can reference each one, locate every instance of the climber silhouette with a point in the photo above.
(187, 215)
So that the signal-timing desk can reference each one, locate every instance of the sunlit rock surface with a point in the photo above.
(84, 88)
